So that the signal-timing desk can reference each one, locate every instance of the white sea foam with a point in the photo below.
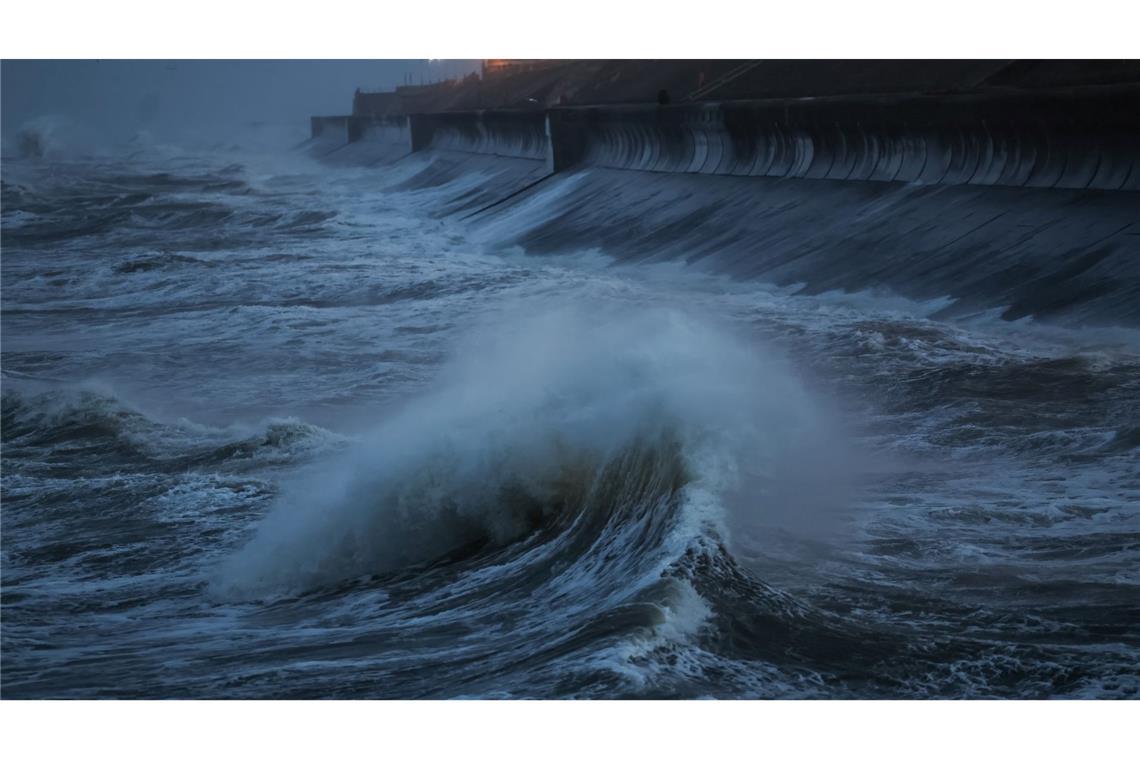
(528, 402)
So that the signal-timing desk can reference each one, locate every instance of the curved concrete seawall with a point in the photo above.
(491, 156)
(327, 133)
(1025, 203)
(1028, 141)
(510, 134)
(360, 141)
(509, 151)
(1057, 254)
(1089, 140)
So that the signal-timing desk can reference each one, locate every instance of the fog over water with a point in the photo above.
(95, 103)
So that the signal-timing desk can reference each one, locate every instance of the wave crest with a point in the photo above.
(574, 425)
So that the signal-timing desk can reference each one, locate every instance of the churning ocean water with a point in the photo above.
(275, 430)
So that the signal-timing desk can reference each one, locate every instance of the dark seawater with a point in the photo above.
(273, 430)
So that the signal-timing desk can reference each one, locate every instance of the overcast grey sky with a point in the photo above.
(175, 99)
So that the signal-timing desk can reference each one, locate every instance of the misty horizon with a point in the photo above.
(100, 102)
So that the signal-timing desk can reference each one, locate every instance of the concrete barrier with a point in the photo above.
(1050, 253)
(332, 128)
(511, 134)
(1086, 141)
(1024, 202)
(327, 133)
(360, 140)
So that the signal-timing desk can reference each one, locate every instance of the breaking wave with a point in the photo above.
(582, 435)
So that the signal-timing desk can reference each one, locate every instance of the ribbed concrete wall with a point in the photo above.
(1050, 253)
(1075, 141)
(360, 140)
(332, 129)
(513, 134)
(393, 133)
(1091, 142)
(508, 151)
(1021, 202)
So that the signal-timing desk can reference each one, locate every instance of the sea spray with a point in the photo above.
(526, 420)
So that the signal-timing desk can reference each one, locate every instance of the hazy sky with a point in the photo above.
(174, 99)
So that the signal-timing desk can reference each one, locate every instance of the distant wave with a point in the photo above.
(94, 423)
